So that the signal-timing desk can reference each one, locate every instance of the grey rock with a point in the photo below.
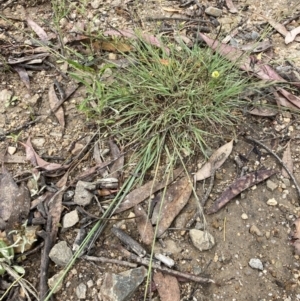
(121, 287)
(202, 240)
(271, 185)
(81, 291)
(70, 219)
(256, 263)
(61, 254)
(82, 196)
(213, 11)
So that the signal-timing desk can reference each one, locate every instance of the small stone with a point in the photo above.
(272, 202)
(286, 182)
(271, 185)
(254, 230)
(61, 254)
(213, 11)
(77, 149)
(112, 56)
(53, 280)
(81, 291)
(244, 216)
(256, 263)
(90, 283)
(83, 196)
(202, 240)
(70, 219)
(96, 4)
(268, 234)
(11, 150)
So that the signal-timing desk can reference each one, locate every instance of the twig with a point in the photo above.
(109, 260)
(129, 242)
(176, 19)
(278, 159)
(148, 263)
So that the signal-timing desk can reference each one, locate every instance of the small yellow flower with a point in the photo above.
(215, 74)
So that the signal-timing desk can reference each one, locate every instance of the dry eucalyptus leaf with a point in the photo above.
(238, 186)
(291, 35)
(53, 100)
(144, 225)
(167, 286)
(170, 210)
(205, 171)
(38, 30)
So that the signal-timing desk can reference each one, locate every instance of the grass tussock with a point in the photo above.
(166, 99)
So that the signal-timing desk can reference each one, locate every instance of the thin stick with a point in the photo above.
(146, 262)
(278, 159)
(109, 260)
(176, 19)
(224, 227)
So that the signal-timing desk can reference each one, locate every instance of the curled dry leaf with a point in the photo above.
(117, 166)
(36, 160)
(144, 225)
(295, 239)
(291, 35)
(53, 100)
(290, 97)
(170, 210)
(167, 286)
(38, 30)
(213, 162)
(23, 75)
(287, 159)
(238, 186)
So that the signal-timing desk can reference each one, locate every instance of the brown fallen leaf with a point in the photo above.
(295, 100)
(295, 238)
(280, 28)
(144, 225)
(140, 194)
(238, 186)
(291, 35)
(167, 286)
(53, 100)
(38, 30)
(170, 210)
(287, 160)
(8, 193)
(23, 75)
(282, 101)
(117, 167)
(36, 160)
(242, 60)
(205, 171)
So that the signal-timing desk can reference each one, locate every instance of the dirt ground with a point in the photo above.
(228, 261)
